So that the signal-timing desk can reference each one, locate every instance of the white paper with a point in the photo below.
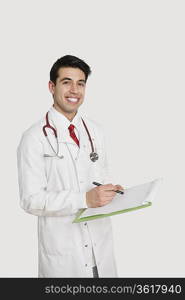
(132, 197)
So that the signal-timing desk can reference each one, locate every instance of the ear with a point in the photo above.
(51, 86)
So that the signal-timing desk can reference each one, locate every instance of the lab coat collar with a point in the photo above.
(61, 123)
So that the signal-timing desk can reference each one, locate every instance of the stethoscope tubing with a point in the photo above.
(93, 155)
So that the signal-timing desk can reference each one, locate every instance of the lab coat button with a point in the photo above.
(85, 265)
(86, 245)
(85, 223)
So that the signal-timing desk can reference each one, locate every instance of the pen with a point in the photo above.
(117, 191)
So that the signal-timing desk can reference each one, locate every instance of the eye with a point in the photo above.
(81, 84)
(65, 82)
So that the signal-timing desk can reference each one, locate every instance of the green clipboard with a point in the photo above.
(79, 219)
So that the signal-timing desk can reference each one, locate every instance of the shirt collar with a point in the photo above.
(62, 123)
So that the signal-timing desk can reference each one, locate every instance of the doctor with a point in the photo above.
(58, 159)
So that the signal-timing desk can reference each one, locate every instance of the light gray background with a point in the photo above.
(136, 51)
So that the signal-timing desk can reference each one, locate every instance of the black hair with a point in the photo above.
(69, 61)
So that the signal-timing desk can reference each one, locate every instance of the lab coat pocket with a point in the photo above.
(56, 235)
(55, 169)
(98, 167)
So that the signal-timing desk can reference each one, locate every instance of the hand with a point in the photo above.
(101, 195)
(119, 187)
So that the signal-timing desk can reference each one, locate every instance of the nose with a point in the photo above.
(74, 88)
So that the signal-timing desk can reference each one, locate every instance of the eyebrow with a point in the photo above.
(67, 78)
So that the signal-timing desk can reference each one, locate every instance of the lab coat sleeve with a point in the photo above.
(34, 197)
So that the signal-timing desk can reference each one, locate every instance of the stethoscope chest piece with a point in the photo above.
(94, 156)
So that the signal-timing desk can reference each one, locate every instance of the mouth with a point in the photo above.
(72, 100)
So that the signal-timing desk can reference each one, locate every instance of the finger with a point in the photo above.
(119, 187)
(101, 191)
(109, 194)
(105, 199)
(105, 202)
(108, 187)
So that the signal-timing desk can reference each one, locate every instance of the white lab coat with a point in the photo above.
(55, 189)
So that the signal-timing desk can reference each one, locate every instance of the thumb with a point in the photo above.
(119, 187)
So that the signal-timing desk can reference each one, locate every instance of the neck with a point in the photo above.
(69, 116)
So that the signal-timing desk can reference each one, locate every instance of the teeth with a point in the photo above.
(72, 99)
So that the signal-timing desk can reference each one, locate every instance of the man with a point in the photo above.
(56, 174)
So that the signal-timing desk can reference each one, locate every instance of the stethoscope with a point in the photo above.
(93, 155)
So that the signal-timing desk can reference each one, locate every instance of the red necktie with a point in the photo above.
(72, 134)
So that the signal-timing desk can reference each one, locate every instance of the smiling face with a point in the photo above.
(69, 91)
